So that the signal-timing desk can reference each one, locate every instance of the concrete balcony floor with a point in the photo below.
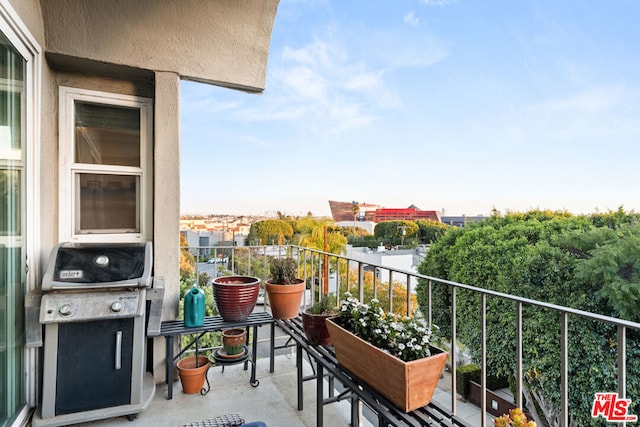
(274, 401)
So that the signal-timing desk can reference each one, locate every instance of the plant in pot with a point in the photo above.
(401, 364)
(313, 319)
(515, 418)
(284, 289)
(233, 342)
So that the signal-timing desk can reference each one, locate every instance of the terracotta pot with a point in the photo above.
(315, 328)
(408, 385)
(235, 296)
(234, 340)
(192, 377)
(285, 300)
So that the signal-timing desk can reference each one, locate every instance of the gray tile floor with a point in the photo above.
(274, 401)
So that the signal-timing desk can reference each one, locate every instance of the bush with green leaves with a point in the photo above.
(553, 257)
(327, 304)
(270, 231)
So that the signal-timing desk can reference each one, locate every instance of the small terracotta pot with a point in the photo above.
(192, 377)
(234, 340)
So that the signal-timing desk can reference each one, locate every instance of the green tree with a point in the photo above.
(390, 232)
(547, 256)
(430, 231)
(355, 209)
(270, 231)
(311, 234)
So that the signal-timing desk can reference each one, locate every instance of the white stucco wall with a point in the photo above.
(225, 42)
(142, 48)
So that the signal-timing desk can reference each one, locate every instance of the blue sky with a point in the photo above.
(459, 105)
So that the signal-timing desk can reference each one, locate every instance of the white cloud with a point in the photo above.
(411, 19)
(367, 81)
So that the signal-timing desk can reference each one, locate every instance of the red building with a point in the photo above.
(342, 211)
(410, 214)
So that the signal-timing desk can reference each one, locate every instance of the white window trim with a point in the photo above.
(67, 201)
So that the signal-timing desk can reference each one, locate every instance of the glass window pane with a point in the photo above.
(108, 203)
(10, 131)
(12, 260)
(107, 135)
(10, 194)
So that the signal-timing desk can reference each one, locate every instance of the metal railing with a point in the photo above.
(315, 265)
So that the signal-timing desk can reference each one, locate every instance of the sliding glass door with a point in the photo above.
(12, 239)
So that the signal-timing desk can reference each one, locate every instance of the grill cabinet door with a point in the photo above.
(87, 377)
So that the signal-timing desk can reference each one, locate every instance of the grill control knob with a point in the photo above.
(102, 261)
(116, 307)
(65, 310)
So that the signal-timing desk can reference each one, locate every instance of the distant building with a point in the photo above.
(342, 211)
(460, 221)
(410, 214)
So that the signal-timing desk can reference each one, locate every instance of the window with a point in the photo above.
(105, 166)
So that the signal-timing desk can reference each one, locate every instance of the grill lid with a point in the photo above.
(105, 265)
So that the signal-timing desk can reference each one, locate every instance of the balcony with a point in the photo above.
(274, 401)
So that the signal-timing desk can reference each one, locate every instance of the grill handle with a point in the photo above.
(118, 350)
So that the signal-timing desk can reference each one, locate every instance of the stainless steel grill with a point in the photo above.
(93, 310)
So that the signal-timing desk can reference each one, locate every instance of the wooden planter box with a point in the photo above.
(408, 385)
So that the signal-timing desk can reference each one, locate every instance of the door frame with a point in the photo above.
(26, 45)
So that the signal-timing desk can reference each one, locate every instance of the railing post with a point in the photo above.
(408, 295)
(483, 359)
(564, 370)
(360, 280)
(519, 350)
(391, 291)
(453, 350)
(622, 362)
(429, 302)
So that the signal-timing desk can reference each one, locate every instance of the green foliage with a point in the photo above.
(310, 233)
(430, 231)
(368, 240)
(210, 339)
(464, 374)
(615, 219)
(245, 262)
(283, 271)
(327, 304)
(390, 232)
(612, 266)
(270, 231)
(547, 256)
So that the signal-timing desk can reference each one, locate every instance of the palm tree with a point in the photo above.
(355, 208)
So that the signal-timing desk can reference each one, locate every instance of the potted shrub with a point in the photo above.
(313, 319)
(234, 341)
(284, 289)
(515, 418)
(401, 364)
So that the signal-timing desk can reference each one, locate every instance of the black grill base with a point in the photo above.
(86, 374)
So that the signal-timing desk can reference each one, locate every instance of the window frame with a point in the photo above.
(69, 170)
